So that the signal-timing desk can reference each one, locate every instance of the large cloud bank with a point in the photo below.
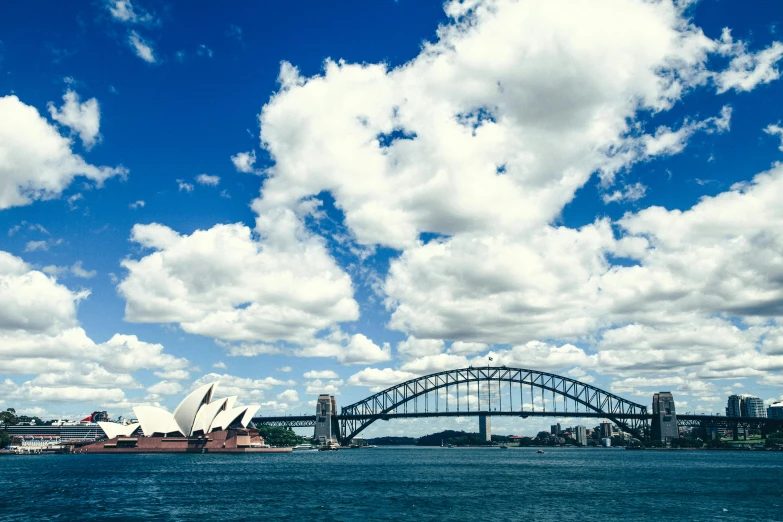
(480, 142)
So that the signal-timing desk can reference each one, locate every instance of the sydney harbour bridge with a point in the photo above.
(503, 392)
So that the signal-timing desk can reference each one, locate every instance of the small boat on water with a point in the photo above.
(304, 447)
(503, 446)
(540, 451)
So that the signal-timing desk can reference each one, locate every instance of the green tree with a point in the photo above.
(8, 417)
(277, 436)
(5, 439)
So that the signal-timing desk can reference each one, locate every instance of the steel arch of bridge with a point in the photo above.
(629, 416)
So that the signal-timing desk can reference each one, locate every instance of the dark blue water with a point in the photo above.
(398, 483)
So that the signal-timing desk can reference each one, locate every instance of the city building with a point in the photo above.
(752, 407)
(664, 423)
(775, 411)
(745, 406)
(606, 430)
(581, 435)
(485, 430)
(555, 429)
(734, 406)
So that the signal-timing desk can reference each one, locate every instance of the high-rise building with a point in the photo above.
(606, 430)
(664, 424)
(734, 406)
(485, 429)
(555, 429)
(581, 435)
(775, 411)
(745, 406)
(752, 407)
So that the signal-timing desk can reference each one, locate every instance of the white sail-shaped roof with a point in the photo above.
(228, 417)
(207, 414)
(156, 420)
(251, 411)
(114, 429)
(185, 414)
(196, 413)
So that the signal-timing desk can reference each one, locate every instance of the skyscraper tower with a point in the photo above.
(581, 435)
(752, 406)
(485, 430)
(745, 406)
(734, 406)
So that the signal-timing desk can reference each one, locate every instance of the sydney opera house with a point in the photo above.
(200, 424)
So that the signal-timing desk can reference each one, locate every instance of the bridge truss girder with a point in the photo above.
(629, 416)
(716, 421)
(304, 421)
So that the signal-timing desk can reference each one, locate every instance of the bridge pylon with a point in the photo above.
(664, 421)
(327, 428)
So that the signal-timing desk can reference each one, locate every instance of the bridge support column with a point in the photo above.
(485, 429)
(327, 430)
(664, 421)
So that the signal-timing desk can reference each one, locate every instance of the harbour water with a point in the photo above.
(398, 483)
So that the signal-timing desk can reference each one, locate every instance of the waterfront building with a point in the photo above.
(197, 414)
(485, 431)
(752, 407)
(664, 424)
(745, 406)
(606, 430)
(581, 435)
(555, 429)
(734, 406)
(199, 424)
(775, 411)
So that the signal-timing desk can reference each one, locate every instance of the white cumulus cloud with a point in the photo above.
(206, 179)
(36, 162)
(227, 284)
(82, 118)
(746, 69)
(244, 161)
(40, 335)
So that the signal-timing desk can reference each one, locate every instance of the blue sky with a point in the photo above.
(379, 190)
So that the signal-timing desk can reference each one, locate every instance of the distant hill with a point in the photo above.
(458, 438)
(393, 441)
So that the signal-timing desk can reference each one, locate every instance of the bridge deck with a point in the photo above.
(309, 420)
